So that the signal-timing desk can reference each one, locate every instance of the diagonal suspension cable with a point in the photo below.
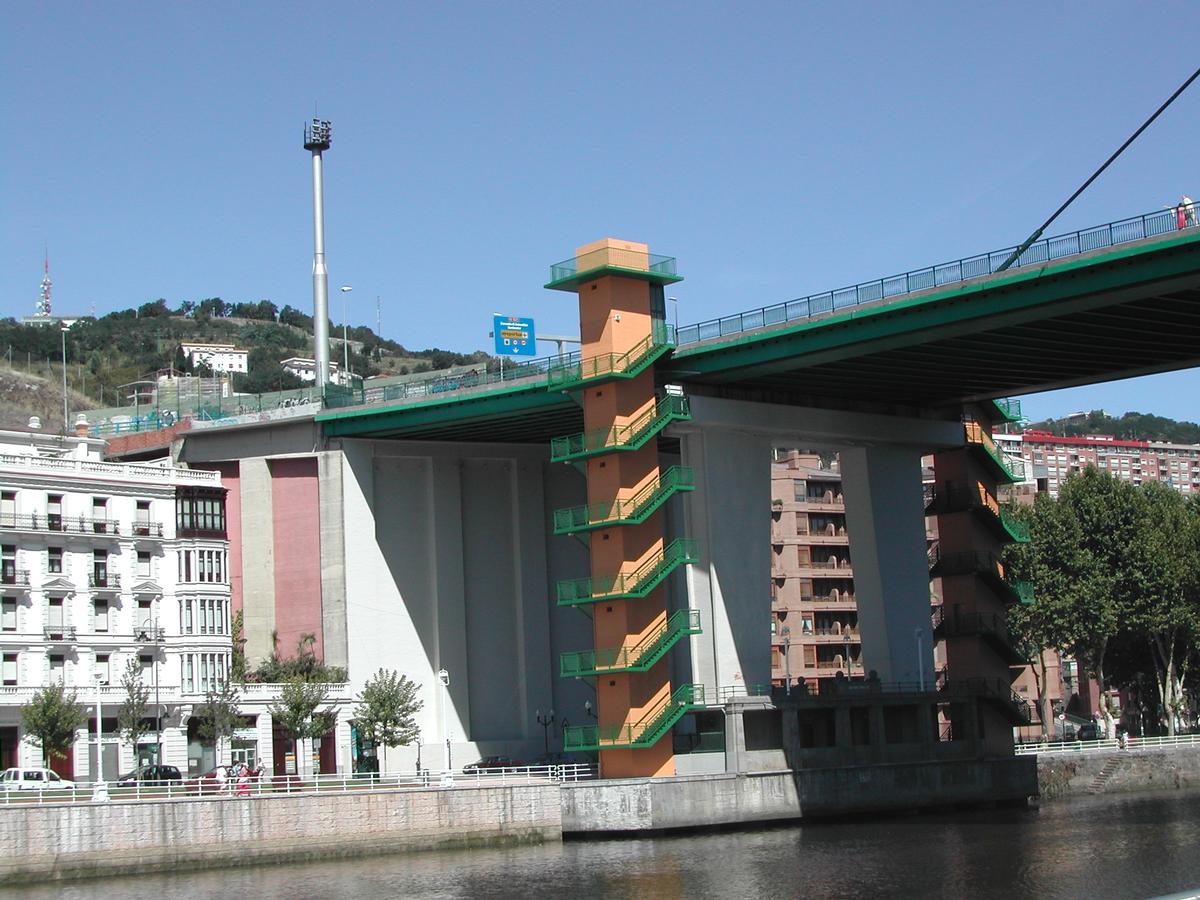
(1083, 187)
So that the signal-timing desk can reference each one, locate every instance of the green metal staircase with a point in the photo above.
(632, 511)
(633, 436)
(572, 372)
(637, 658)
(631, 585)
(646, 732)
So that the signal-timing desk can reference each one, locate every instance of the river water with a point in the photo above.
(1136, 846)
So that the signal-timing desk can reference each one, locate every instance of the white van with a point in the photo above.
(33, 780)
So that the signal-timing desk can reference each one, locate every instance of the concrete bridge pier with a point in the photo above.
(728, 444)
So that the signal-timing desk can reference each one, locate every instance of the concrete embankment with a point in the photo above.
(59, 841)
(700, 801)
(1118, 771)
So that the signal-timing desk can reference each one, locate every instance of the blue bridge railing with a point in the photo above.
(971, 267)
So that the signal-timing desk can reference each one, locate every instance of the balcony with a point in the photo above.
(13, 577)
(646, 732)
(841, 599)
(101, 471)
(639, 657)
(101, 582)
(631, 511)
(148, 530)
(827, 568)
(59, 634)
(1009, 408)
(828, 502)
(631, 585)
(150, 634)
(631, 436)
(568, 372)
(996, 691)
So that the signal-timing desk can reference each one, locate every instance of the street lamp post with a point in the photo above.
(444, 678)
(545, 721)
(675, 300)
(66, 423)
(99, 788)
(920, 657)
(345, 346)
(787, 663)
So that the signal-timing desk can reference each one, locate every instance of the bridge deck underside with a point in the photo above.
(1157, 333)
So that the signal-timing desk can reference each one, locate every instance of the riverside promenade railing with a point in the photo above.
(969, 268)
(297, 785)
(1108, 746)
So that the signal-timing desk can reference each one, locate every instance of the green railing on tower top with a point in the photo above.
(639, 657)
(646, 732)
(612, 258)
(638, 583)
(632, 436)
(630, 511)
(573, 370)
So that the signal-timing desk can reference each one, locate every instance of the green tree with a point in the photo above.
(131, 717)
(386, 710)
(237, 662)
(305, 665)
(297, 713)
(51, 717)
(1165, 607)
(219, 715)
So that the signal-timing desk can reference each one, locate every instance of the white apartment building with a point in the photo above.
(106, 563)
(218, 357)
(306, 369)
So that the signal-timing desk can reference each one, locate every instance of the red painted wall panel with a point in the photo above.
(295, 501)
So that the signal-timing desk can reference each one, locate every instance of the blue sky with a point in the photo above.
(776, 149)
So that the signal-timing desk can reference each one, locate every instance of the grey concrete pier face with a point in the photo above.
(728, 444)
(885, 516)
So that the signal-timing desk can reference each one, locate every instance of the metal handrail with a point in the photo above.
(260, 785)
(642, 580)
(977, 435)
(630, 435)
(645, 730)
(566, 370)
(631, 656)
(639, 261)
(966, 269)
(627, 510)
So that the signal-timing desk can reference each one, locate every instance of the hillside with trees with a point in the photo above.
(107, 354)
(1132, 426)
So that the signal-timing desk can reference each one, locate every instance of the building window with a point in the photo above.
(56, 618)
(189, 680)
(100, 515)
(54, 512)
(8, 563)
(143, 564)
(200, 512)
(54, 560)
(10, 669)
(145, 614)
(8, 614)
(58, 668)
(146, 662)
(799, 491)
(100, 616)
(142, 521)
(8, 508)
(102, 668)
(100, 568)
(187, 617)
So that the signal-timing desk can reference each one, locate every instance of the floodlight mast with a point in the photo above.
(317, 134)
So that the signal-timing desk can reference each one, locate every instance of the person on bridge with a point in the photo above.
(1189, 210)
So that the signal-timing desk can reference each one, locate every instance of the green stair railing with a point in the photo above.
(629, 585)
(1017, 530)
(633, 436)
(573, 371)
(1011, 469)
(630, 511)
(646, 732)
(639, 657)
(1009, 408)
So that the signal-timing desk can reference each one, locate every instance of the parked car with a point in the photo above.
(33, 780)
(150, 776)
(1087, 732)
(492, 762)
(559, 759)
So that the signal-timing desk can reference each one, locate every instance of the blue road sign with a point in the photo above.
(514, 336)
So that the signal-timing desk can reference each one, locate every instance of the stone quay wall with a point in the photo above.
(59, 841)
(1063, 775)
